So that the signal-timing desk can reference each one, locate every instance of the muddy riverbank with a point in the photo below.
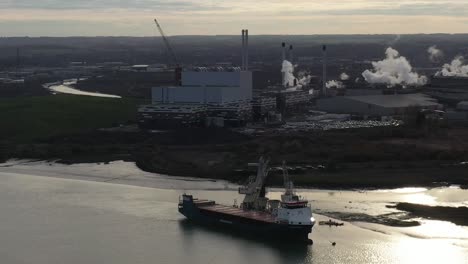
(363, 158)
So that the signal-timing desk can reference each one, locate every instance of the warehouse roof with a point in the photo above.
(396, 100)
(463, 105)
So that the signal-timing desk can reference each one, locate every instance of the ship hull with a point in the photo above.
(270, 230)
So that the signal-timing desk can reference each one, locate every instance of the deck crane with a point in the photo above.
(254, 190)
(171, 53)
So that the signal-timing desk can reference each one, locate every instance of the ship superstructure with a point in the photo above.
(290, 217)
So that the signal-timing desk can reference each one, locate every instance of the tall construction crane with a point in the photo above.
(170, 51)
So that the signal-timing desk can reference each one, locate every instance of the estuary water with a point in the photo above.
(67, 88)
(114, 213)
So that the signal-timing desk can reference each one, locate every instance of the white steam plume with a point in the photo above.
(394, 70)
(334, 84)
(435, 54)
(395, 40)
(288, 71)
(344, 76)
(456, 68)
(303, 78)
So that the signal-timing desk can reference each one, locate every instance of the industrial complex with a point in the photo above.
(227, 97)
(377, 105)
(221, 96)
(248, 91)
(206, 96)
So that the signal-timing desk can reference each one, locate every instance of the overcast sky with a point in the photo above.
(211, 17)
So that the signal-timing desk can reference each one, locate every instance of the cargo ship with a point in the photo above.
(289, 218)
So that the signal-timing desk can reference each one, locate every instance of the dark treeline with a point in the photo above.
(53, 51)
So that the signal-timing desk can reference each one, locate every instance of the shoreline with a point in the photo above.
(69, 87)
(456, 215)
(341, 180)
(403, 218)
(364, 179)
(349, 179)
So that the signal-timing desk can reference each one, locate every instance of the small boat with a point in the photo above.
(330, 223)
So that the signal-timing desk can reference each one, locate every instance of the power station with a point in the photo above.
(215, 96)
(220, 96)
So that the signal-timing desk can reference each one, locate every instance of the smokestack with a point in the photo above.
(178, 75)
(246, 49)
(283, 53)
(283, 50)
(291, 53)
(17, 58)
(243, 50)
(324, 78)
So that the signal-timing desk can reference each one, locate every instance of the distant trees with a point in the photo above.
(3, 151)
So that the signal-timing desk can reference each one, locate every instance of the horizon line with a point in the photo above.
(229, 35)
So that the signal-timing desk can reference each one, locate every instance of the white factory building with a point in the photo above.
(205, 97)
(210, 87)
(377, 105)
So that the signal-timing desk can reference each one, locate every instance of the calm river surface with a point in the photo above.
(67, 88)
(90, 213)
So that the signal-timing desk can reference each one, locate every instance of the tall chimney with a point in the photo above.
(291, 53)
(283, 53)
(283, 50)
(178, 76)
(243, 50)
(17, 59)
(246, 49)
(324, 78)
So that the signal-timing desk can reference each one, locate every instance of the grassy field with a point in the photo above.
(26, 119)
(64, 127)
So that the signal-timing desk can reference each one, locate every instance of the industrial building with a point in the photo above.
(450, 90)
(462, 106)
(224, 96)
(171, 115)
(206, 96)
(450, 82)
(377, 105)
(211, 87)
(293, 100)
(263, 105)
(458, 116)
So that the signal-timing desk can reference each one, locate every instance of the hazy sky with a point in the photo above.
(210, 17)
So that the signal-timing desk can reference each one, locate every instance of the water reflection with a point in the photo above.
(409, 190)
(438, 230)
(409, 250)
(281, 251)
(67, 88)
(129, 224)
(420, 198)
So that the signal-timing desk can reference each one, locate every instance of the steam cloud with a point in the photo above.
(435, 54)
(303, 78)
(334, 84)
(395, 40)
(344, 76)
(288, 70)
(456, 68)
(394, 70)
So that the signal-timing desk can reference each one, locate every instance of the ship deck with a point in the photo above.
(234, 211)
